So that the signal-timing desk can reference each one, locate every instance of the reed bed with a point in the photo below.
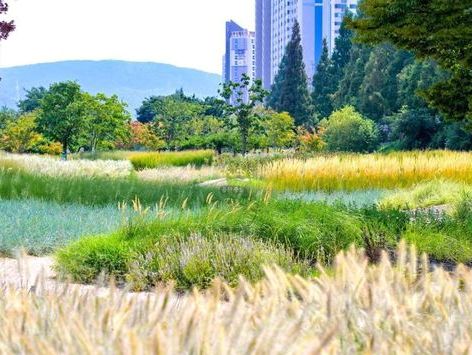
(355, 308)
(151, 160)
(355, 172)
(52, 167)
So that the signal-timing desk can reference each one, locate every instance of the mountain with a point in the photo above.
(131, 81)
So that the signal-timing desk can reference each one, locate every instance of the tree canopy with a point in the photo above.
(433, 29)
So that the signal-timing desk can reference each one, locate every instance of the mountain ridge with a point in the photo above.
(131, 81)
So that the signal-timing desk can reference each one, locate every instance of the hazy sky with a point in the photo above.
(188, 33)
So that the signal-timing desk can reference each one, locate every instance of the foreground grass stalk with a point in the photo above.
(354, 308)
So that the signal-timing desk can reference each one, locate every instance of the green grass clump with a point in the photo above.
(99, 191)
(41, 227)
(428, 194)
(154, 160)
(313, 232)
(448, 238)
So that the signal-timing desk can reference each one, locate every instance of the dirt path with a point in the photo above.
(36, 274)
(26, 272)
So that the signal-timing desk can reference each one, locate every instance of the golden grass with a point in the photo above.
(356, 308)
(352, 172)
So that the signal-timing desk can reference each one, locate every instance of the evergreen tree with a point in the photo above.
(372, 101)
(324, 85)
(353, 76)
(377, 95)
(290, 90)
(342, 49)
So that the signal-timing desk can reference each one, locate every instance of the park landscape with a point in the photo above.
(330, 219)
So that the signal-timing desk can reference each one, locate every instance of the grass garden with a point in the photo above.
(245, 230)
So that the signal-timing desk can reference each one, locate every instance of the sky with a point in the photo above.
(185, 33)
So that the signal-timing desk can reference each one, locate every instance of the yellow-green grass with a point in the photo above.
(428, 194)
(151, 160)
(387, 308)
(356, 171)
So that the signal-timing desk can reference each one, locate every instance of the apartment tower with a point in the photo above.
(240, 56)
(318, 19)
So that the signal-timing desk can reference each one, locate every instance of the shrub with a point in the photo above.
(20, 135)
(347, 130)
(310, 142)
(153, 160)
(91, 257)
(196, 260)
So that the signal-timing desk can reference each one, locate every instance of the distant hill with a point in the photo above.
(131, 81)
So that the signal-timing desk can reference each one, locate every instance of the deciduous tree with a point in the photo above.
(243, 110)
(63, 115)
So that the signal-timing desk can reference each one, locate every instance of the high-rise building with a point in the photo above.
(338, 9)
(231, 27)
(240, 56)
(318, 19)
(315, 26)
(263, 41)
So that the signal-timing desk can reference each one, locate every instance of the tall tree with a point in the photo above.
(63, 114)
(435, 29)
(107, 121)
(290, 90)
(244, 110)
(32, 100)
(378, 92)
(342, 49)
(324, 84)
(353, 76)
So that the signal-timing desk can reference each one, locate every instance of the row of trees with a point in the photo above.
(391, 82)
(64, 118)
(407, 92)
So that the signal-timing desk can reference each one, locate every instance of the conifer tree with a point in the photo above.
(324, 84)
(353, 76)
(342, 48)
(290, 90)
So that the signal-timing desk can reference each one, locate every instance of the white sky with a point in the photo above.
(186, 33)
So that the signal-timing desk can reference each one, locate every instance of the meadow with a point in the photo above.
(167, 226)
